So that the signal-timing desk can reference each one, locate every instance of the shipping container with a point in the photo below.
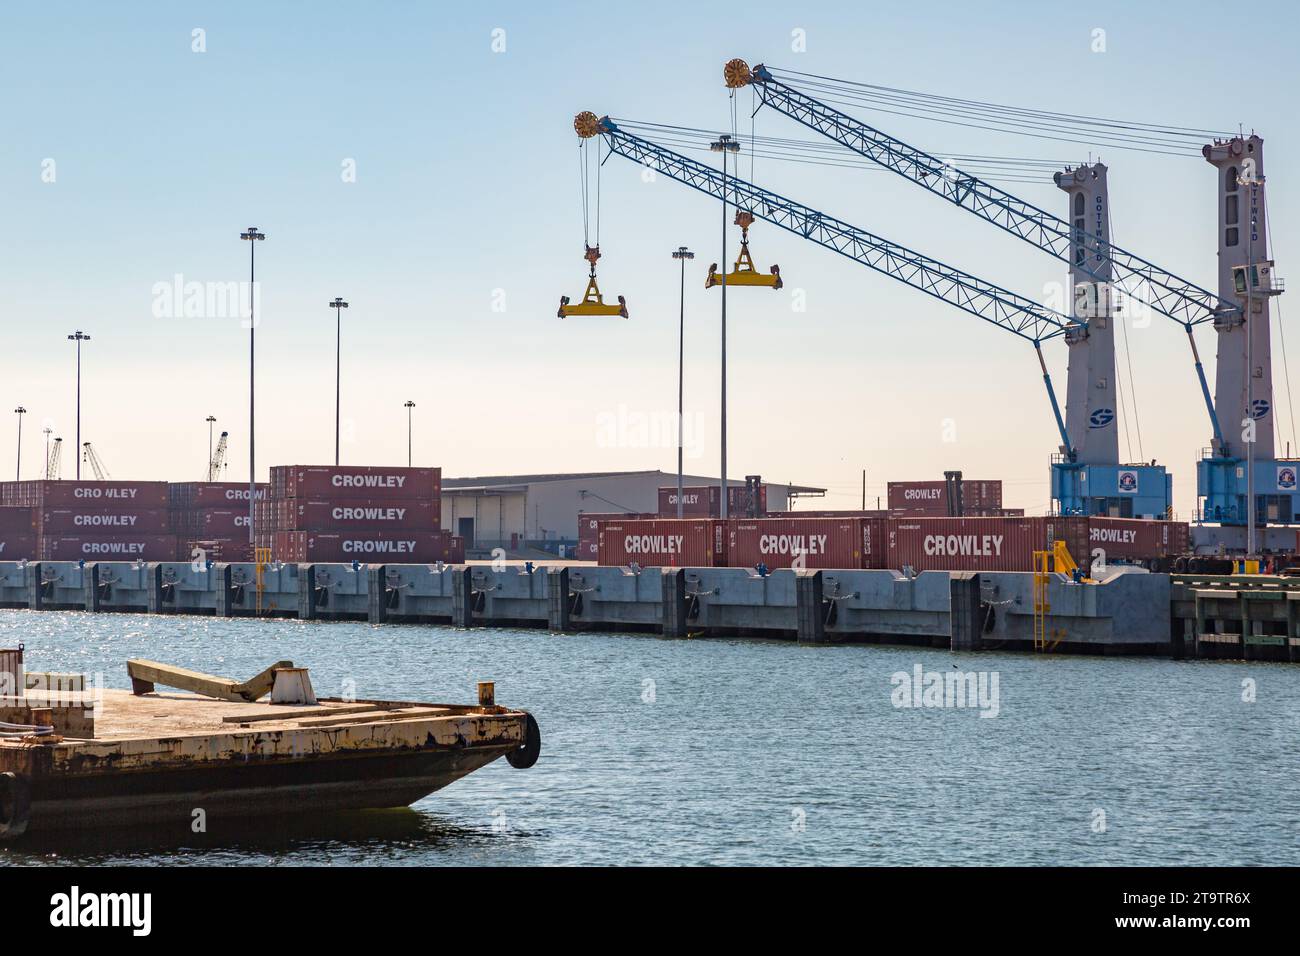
(193, 495)
(332, 482)
(848, 513)
(216, 549)
(17, 520)
(663, 542)
(589, 531)
(18, 546)
(981, 544)
(101, 519)
(930, 498)
(221, 523)
(368, 547)
(59, 494)
(108, 547)
(301, 514)
(1136, 539)
(799, 542)
(704, 501)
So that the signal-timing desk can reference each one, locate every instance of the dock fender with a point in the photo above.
(527, 754)
(16, 803)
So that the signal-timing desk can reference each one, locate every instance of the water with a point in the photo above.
(662, 751)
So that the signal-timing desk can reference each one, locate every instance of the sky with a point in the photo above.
(418, 159)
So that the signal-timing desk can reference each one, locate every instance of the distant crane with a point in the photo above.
(96, 463)
(52, 463)
(218, 461)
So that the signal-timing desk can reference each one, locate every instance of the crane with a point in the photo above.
(218, 458)
(1021, 316)
(53, 464)
(593, 302)
(1218, 481)
(96, 464)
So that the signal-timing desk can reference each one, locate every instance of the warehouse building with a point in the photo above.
(516, 511)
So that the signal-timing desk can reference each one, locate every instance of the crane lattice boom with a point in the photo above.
(1165, 292)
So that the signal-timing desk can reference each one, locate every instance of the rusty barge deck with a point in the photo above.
(157, 759)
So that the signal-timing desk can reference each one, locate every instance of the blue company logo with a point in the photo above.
(1101, 418)
(1128, 481)
(1259, 408)
(1286, 479)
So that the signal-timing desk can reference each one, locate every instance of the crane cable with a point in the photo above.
(1128, 352)
(1002, 168)
(1122, 134)
(1074, 117)
(1281, 335)
(583, 176)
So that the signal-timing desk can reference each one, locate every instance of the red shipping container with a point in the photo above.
(220, 550)
(869, 513)
(220, 523)
(663, 542)
(62, 494)
(368, 547)
(809, 542)
(300, 514)
(704, 501)
(109, 547)
(331, 482)
(17, 520)
(981, 544)
(193, 495)
(17, 546)
(589, 532)
(930, 498)
(100, 519)
(1135, 539)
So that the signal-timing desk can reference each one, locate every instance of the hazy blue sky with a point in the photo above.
(466, 195)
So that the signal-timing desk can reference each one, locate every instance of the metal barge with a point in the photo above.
(107, 758)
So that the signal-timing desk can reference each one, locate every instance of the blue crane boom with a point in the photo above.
(1181, 300)
(1007, 310)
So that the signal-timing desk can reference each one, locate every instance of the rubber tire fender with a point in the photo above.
(528, 752)
(15, 803)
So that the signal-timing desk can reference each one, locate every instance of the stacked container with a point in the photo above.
(981, 544)
(705, 501)
(929, 499)
(212, 517)
(95, 520)
(663, 542)
(17, 533)
(876, 542)
(848, 542)
(589, 531)
(356, 513)
(1133, 539)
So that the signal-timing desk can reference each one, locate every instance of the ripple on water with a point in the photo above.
(749, 752)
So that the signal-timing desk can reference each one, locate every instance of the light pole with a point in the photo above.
(338, 305)
(409, 405)
(211, 420)
(724, 145)
(79, 337)
(48, 432)
(253, 237)
(683, 254)
(18, 469)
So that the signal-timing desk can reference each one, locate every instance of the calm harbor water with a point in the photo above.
(748, 751)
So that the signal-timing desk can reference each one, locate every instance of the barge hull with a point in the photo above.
(230, 793)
